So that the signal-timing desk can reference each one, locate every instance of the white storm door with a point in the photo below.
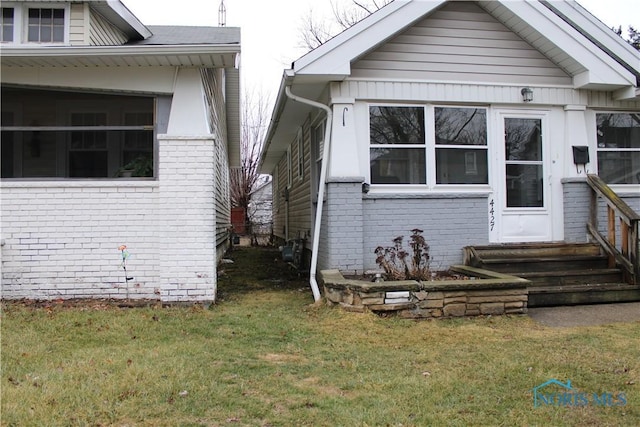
(523, 169)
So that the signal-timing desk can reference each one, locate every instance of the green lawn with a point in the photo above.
(265, 356)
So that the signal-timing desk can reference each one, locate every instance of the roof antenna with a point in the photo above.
(222, 15)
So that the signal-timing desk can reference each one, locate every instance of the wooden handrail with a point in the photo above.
(627, 252)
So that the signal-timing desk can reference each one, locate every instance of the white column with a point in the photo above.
(576, 135)
(344, 147)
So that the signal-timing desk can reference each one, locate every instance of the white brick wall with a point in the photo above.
(187, 222)
(61, 238)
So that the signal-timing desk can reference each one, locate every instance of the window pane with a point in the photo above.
(618, 130)
(619, 167)
(461, 126)
(396, 125)
(459, 166)
(45, 34)
(34, 33)
(7, 33)
(7, 15)
(524, 186)
(87, 164)
(45, 17)
(58, 34)
(523, 139)
(7, 24)
(34, 16)
(88, 153)
(58, 16)
(397, 166)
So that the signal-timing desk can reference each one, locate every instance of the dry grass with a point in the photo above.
(265, 356)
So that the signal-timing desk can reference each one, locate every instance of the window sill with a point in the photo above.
(77, 183)
(421, 192)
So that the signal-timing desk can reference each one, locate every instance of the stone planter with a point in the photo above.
(485, 293)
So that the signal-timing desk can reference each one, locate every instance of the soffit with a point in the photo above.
(122, 56)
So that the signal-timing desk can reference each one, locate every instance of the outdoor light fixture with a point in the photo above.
(527, 94)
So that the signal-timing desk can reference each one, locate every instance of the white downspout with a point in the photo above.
(321, 184)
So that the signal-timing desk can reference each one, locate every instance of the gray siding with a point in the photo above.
(460, 42)
(299, 193)
(102, 33)
(577, 201)
(279, 204)
(296, 213)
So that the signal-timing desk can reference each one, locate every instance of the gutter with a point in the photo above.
(323, 175)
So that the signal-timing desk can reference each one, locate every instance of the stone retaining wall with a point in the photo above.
(486, 293)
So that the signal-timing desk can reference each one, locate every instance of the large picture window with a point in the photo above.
(618, 136)
(56, 134)
(402, 151)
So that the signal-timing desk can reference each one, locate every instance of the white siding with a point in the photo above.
(213, 81)
(460, 42)
(102, 33)
(454, 92)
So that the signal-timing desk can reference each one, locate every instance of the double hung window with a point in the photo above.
(45, 25)
(427, 145)
(618, 136)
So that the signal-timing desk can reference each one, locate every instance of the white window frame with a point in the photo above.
(430, 148)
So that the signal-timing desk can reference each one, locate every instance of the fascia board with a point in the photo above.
(120, 10)
(281, 98)
(600, 32)
(335, 56)
(572, 42)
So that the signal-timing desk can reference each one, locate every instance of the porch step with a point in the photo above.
(572, 277)
(545, 296)
(560, 274)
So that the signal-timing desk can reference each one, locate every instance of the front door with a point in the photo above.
(523, 199)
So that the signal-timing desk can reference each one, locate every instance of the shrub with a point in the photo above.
(399, 264)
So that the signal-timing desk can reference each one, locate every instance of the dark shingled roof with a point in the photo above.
(183, 35)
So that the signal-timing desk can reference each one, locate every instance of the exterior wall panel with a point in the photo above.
(78, 24)
(460, 42)
(61, 240)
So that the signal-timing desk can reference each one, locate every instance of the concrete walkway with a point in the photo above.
(586, 315)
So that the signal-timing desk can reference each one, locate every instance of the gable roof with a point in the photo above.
(590, 53)
(537, 24)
